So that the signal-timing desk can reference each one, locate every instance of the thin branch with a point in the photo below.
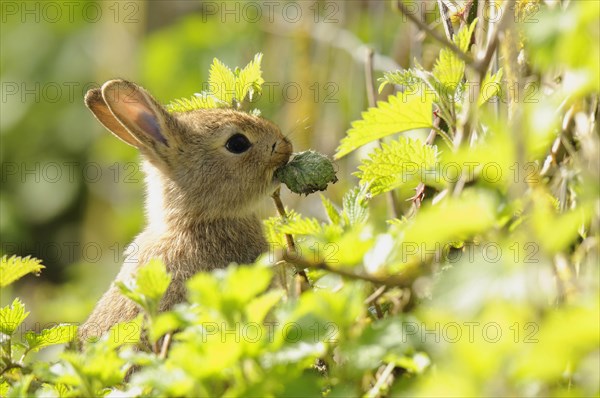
(483, 63)
(369, 78)
(289, 238)
(165, 345)
(435, 35)
(281, 211)
(448, 28)
(391, 281)
(371, 96)
(382, 381)
(376, 294)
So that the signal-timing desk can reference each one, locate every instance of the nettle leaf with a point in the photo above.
(449, 69)
(198, 101)
(12, 317)
(407, 78)
(228, 290)
(453, 219)
(127, 332)
(249, 80)
(333, 213)
(396, 163)
(307, 172)
(301, 226)
(402, 112)
(149, 286)
(354, 205)
(226, 87)
(490, 87)
(59, 334)
(221, 81)
(14, 267)
(258, 308)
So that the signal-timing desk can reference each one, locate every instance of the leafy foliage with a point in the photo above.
(13, 268)
(449, 69)
(227, 88)
(396, 163)
(483, 282)
(402, 112)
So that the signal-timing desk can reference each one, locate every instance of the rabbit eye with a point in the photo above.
(238, 143)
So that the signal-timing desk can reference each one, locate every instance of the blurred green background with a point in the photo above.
(72, 194)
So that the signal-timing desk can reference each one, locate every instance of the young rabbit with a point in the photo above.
(206, 170)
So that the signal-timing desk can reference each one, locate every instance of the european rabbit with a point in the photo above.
(206, 170)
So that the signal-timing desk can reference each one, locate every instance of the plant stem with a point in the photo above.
(435, 35)
(381, 381)
(371, 96)
(446, 20)
(289, 238)
(391, 281)
(165, 345)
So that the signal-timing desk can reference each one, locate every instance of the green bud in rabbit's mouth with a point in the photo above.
(307, 172)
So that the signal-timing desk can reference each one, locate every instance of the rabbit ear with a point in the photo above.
(138, 112)
(96, 104)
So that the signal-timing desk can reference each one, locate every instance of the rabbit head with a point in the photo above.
(206, 163)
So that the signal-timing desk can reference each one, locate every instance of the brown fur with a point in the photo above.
(200, 197)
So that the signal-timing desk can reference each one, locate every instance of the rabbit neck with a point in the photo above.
(169, 209)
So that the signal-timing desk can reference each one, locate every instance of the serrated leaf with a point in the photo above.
(451, 220)
(12, 317)
(150, 284)
(407, 78)
(449, 69)
(402, 112)
(354, 205)
(221, 81)
(4, 388)
(59, 334)
(198, 101)
(395, 163)
(127, 332)
(249, 80)
(307, 172)
(490, 87)
(301, 226)
(333, 213)
(259, 307)
(14, 267)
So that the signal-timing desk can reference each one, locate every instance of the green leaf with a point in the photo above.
(150, 284)
(4, 388)
(490, 87)
(333, 213)
(249, 80)
(198, 101)
(127, 332)
(402, 112)
(453, 219)
(354, 205)
(12, 317)
(407, 78)
(258, 308)
(14, 268)
(396, 163)
(301, 226)
(222, 82)
(229, 290)
(59, 334)
(449, 69)
(307, 172)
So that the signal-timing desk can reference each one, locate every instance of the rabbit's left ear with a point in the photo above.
(96, 104)
(146, 120)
